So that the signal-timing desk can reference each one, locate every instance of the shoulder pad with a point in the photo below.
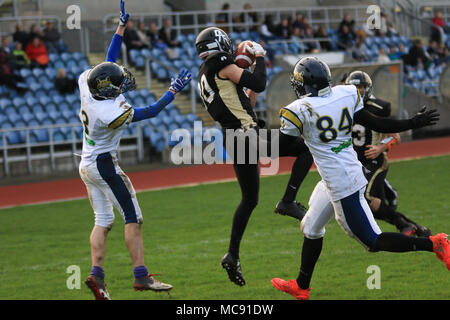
(219, 60)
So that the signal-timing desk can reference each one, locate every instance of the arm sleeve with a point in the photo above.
(382, 125)
(114, 48)
(256, 80)
(154, 109)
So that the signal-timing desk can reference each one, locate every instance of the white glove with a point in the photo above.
(258, 49)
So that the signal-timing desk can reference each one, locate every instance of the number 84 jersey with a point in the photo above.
(326, 125)
(103, 122)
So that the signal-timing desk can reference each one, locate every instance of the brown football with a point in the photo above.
(243, 58)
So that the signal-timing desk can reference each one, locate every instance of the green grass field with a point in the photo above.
(186, 233)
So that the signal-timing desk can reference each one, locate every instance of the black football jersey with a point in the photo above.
(363, 136)
(226, 102)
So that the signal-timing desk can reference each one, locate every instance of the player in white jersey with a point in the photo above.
(324, 115)
(105, 113)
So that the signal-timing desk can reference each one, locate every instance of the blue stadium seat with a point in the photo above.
(37, 73)
(58, 136)
(13, 137)
(25, 73)
(39, 135)
(32, 123)
(20, 124)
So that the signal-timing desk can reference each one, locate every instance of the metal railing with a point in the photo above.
(194, 21)
(315, 41)
(24, 150)
(22, 19)
(426, 11)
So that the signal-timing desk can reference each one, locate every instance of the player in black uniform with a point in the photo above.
(221, 84)
(374, 160)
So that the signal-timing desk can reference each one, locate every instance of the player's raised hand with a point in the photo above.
(181, 81)
(425, 118)
(256, 49)
(124, 16)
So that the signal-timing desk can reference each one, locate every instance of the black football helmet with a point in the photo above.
(108, 80)
(311, 77)
(360, 78)
(213, 39)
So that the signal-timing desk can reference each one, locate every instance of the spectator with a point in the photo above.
(444, 53)
(282, 30)
(8, 77)
(395, 54)
(321, 32)
(37, 53)
(345, 38)
(298, 22)
(438, 30)
(267, 29)
(5, 46)
(349, 23)
(251, 18)
(63, 83)
(167, 34)
(434, 52)
(223, 17)
(306, 24)
(359, 50)
(20, 57)
(131, 37)
(142, 34)
(416, 56)
(20, 35)
(382, 56)
(153, 35)
(51, 37)
(311, 46)
(35, 31)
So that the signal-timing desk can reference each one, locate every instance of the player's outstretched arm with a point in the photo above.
(178, 84)
(116, 43)
(422, 119)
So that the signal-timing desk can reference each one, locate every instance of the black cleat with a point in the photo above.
(423, 231)
(233, 268)
(293, 209)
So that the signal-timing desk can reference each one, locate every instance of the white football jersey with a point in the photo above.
(103, 121)
(326, 126)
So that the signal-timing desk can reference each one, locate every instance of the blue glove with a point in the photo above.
(181, 81)
(123, 15)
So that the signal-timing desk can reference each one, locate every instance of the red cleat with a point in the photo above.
(441, 246)
(98, 287)
(292, 288)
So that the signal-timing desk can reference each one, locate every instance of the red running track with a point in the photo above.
(60, 190)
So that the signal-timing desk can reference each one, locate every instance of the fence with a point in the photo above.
(6, 25)
(45, 149)
(193, 21)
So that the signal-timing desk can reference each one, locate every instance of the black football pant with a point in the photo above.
(247, 174)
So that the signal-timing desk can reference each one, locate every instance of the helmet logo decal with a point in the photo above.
(102, 84)
(298, 76)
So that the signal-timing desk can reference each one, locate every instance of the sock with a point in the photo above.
(140, 272)
(391, 216)
(299, 171)
(310, 254)
(398, 242)
(98, 272)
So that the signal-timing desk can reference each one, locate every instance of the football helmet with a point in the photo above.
(360, 78)
(211, 40)
(108, 80)
(311, 77)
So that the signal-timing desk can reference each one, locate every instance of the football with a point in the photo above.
(244, 58)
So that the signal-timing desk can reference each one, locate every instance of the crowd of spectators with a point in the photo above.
(27, 50)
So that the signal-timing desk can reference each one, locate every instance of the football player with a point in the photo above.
(221, 83)
(325, 117)
(371, 149)
(105, 113)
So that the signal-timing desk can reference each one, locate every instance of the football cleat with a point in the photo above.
(441, 247)
(423, 231)
(292, 288)
(233, 268)
(293, 209)
(98, 287)
(150, 283)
